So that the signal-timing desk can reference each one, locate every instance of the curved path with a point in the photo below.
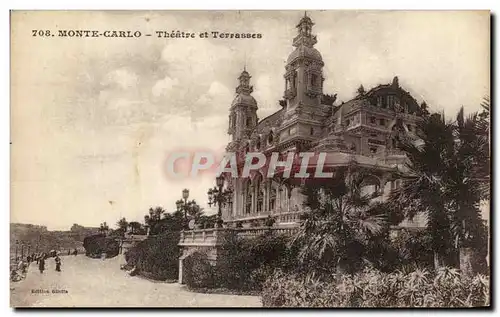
(86, 282)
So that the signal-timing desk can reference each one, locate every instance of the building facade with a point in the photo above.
(364, 131)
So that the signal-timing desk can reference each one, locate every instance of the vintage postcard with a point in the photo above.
(250, 159)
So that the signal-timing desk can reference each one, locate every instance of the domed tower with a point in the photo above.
(303, 85)
(243, 111)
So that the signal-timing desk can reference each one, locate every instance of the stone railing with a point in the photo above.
(202, 236)
(257, 231)
(214, 236)
(288, 217)
(281, 217)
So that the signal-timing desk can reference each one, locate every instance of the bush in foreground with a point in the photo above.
(157, 257)
(420, 288)
(246, 263)
(198, 272)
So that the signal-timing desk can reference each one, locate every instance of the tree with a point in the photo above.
(135, 227)
(103, 228)
(207, 221)
(342, 219)
(445, 179)
(194, 210)
(422, 189)
(361, 90)
(424, 109)
(122, 225)
(153, 219)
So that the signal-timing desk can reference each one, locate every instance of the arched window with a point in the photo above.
(249, 121)
(272, 199)
(312, 131)
(270, 138)
(260, 192)
(248, 198)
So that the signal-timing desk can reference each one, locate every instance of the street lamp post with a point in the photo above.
(182, 204)
(218, 196)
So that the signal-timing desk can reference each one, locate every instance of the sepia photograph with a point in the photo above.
(279, 158)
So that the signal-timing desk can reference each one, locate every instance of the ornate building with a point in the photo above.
(364, 130)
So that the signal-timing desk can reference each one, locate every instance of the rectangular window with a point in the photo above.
(390, 101)
(373, 120)
(314, 80)
(382, 122)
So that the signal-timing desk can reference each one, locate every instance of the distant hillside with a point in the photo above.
(38, 239)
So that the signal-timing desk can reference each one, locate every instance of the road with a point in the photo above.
(86, 282)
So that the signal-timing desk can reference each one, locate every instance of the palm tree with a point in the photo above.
(446, 176)
(122, 225)
(135, 227)
(194, 210)
(467, 185)
(341, 221)
(153, 219)
(423, 181)
(103, 227)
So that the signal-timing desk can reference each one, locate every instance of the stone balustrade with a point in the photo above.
(214, 236)
(288, 217)
(281, 217)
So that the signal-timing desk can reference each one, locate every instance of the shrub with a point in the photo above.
(97, 244)
(245, 264)
(414, 248)
(420, 288)
(197, 271)
(157, 257)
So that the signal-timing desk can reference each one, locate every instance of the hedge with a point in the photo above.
(157, 257)
(95, 245)
(242, 264)
(370, 288)
(198, 272)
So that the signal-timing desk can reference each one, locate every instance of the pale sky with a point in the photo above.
(93, 119)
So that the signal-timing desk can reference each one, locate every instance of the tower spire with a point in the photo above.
(244, 79)
(304, 36)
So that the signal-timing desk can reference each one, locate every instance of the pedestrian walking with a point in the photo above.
(58, 263)
(41, 264)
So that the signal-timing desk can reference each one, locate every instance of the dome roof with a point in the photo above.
(305, 51)
(244, 99)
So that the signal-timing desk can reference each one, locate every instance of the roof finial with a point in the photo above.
(305, 14)
(245, 64)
